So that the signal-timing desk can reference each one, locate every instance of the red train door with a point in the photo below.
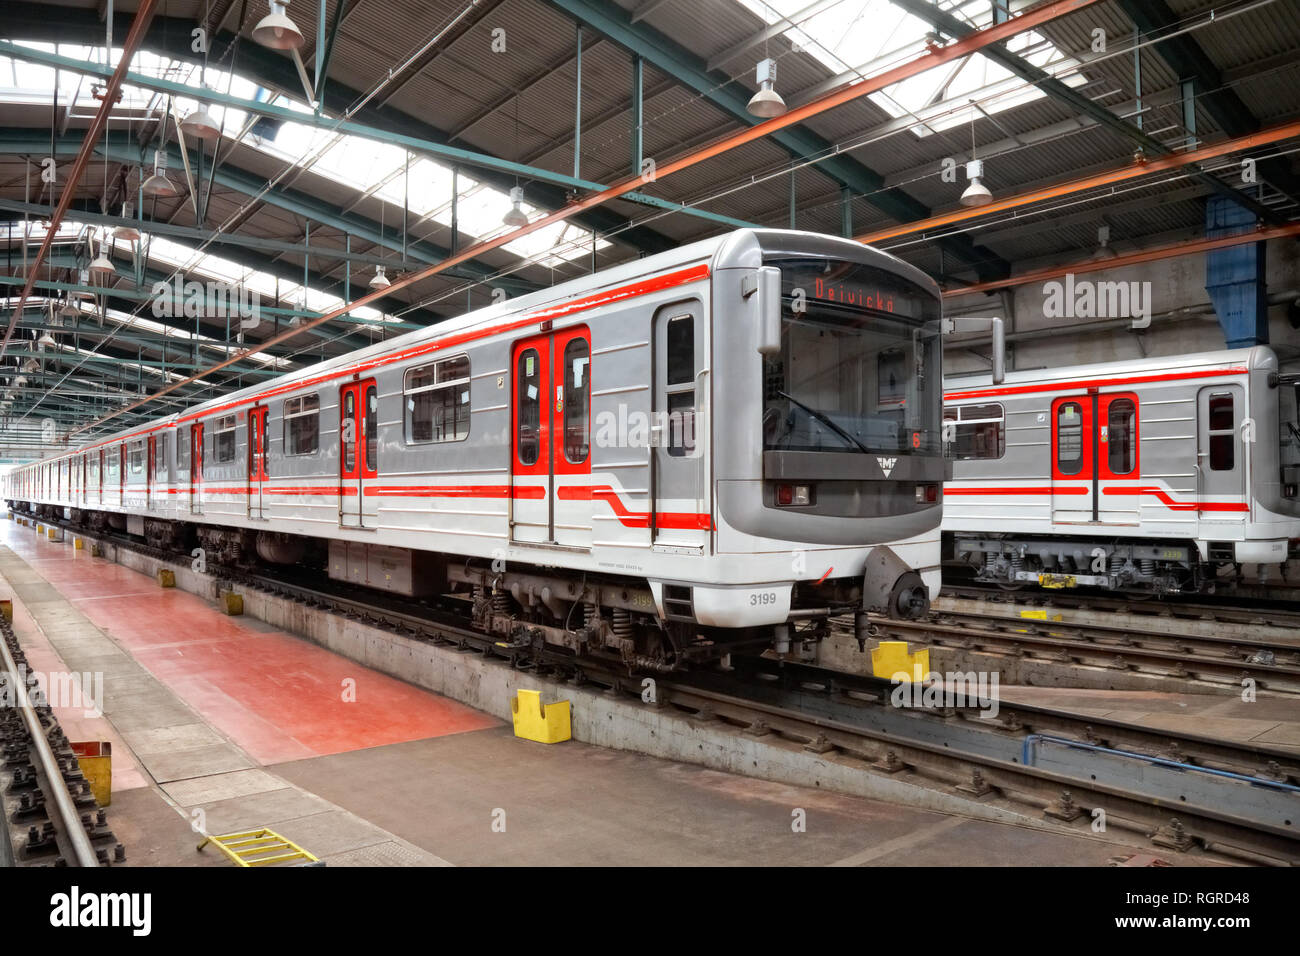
(150, 472)
(550, 415)
(196, 469)
(256, 460)
(1118, 461)
(1073, 460)
(358, 454)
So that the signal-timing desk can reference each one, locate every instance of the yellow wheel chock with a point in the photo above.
(546, 724)
(248, 848)
(891, 661)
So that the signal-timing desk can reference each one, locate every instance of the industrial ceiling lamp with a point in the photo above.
(276, 30)
(45, 341)
(515, 217)
(69, 311)
(158, 184)
(200, 124)
(976, 194)
(766, 102)
(126, 232)
(380, 281)
(102, 266)
(1104, 251)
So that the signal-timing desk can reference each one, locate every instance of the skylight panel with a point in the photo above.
(867, 38)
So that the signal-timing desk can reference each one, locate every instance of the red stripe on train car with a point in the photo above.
(1085, 384)
(1238, 506)
(1015, 491)
(674, 520)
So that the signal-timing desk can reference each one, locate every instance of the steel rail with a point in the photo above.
(59, 799)
(847, 93)
(143, 15)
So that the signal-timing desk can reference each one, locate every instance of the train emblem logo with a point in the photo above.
(886, 464)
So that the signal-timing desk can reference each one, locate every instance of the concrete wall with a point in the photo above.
(1182, 319)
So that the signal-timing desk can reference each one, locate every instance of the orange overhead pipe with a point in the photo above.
(1271, 135)
(1187, 248)
(143, 14)
(936, 56)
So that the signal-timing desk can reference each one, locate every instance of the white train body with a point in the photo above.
(621, 428)
(1147, 474)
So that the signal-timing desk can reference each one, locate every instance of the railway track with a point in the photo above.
(51, 815)
(1272, 663)
(1207, 609)
(1179, 790)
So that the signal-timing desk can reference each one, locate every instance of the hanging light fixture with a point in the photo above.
(102, 266)
(976, 194)
(766, 102)
(45, 341)
(515, 217)
(276, 30)
(1104, 251)
(31, 365)
(69, 311)
(158, 184)
(126, 232)
(380, 281)
(200, 124)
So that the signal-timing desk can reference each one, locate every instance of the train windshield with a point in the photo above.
(859, 368)
(1289, 419)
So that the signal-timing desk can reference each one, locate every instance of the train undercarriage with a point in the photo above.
(1140, 566)
(601, 616)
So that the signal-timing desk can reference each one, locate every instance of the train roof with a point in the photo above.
(1256, 357)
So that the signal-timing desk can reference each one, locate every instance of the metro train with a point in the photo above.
(1159, 475)
(708, 449)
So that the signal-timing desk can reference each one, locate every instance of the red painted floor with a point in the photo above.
(275, 695)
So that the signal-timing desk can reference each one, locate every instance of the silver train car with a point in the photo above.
(720, 445)
(1151, 475)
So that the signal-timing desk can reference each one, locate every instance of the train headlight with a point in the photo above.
(793, 495)
(927, 494)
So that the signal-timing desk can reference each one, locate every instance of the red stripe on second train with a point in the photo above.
(1085, 384)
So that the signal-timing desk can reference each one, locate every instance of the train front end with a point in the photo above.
(828, 453)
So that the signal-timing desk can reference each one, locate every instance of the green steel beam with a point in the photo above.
(170, 36)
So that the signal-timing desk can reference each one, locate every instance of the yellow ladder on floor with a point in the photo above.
(245, 848)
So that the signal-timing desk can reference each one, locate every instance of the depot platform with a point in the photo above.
(224, 723)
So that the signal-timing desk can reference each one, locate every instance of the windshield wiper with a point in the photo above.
(826, 420)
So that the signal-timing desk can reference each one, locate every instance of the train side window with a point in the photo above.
(223, 439)
(160, 456)
(1121, 436)
(1069, 438)
(437, 401)
(182, 440)
(680, 385)
(577, 401)
(135, 457)
(301, 425)
(528, 376)
(975, 431)
(1223, 435)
